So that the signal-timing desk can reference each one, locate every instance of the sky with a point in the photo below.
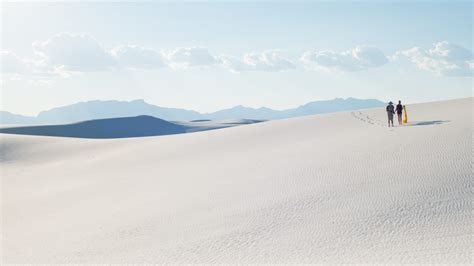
(211, 55)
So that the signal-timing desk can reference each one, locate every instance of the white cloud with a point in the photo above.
(267, 61)
(444, 59)
(356, 59)
(137, 57)
(75, 53)
(190, 57)
(65, 54)
(471, 65)
(10, 63)
(12, 67)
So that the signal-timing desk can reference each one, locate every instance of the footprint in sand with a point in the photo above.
(366, 118)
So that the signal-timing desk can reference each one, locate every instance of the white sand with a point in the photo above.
(327, 188)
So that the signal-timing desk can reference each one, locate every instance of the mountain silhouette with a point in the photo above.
(9, 118)
(109, 109)
(97, 109)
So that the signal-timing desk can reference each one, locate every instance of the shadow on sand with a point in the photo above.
(124, 127)
(429, 123)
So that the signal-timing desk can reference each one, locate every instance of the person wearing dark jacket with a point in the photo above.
(390, 112)
(399, 110)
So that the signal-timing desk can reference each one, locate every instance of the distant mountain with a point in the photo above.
(331, 106)
(9, 118)
(239, 112)
(111, 109)
(317, 107)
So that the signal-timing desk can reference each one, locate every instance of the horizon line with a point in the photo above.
(227, 108)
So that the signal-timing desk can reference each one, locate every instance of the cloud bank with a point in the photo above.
(443, 59)
(182, 58)
(75, 53)
(136, 57)
(65, 54)
(356, 59)
(270, 61)
(12, 64)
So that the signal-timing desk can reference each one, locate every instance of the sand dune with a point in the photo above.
(122, 127)
(333, 188)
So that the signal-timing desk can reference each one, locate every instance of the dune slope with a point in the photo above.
(122, 127)
(329, 188)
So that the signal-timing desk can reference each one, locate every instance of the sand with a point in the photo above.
(332, 188)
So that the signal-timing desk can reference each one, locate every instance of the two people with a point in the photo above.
(391, 110)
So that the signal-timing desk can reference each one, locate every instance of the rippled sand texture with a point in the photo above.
(328, 188)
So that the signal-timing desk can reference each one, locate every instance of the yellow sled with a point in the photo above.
(405, 118)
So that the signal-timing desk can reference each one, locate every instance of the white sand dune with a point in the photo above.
(121, 127)
(333, 188)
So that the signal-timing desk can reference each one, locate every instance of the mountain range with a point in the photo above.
(98, 109)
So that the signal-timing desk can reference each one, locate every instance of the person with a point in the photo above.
(399, 110)
(390, 112)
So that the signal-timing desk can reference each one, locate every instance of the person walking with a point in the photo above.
(390, 112)
(399, 110)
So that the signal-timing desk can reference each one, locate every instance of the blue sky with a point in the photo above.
(211, 55)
